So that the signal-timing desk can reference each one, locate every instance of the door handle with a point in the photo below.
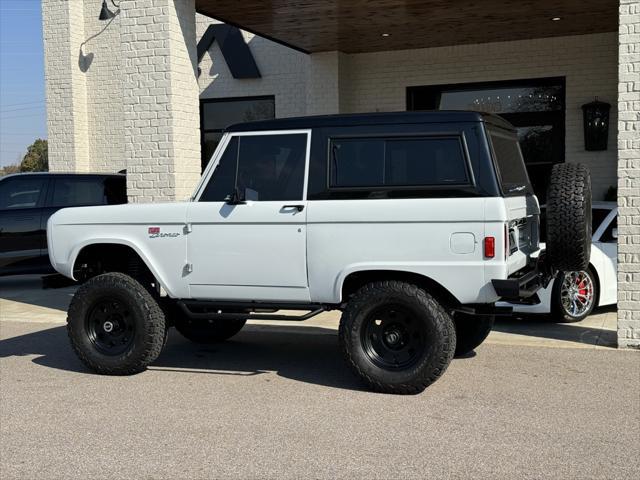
(297, 207)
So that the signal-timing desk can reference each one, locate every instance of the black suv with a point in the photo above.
(27, 201)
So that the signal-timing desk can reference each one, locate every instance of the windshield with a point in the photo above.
(511, 168)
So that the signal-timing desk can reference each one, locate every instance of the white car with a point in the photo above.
(572, 296)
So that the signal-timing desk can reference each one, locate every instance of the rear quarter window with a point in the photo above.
(512, 172)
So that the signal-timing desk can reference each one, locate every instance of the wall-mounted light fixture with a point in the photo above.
(596, 125)
(105, 13)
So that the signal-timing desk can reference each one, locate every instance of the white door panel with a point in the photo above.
(247, 246)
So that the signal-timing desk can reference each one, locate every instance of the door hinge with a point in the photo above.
(187, 228)
(188, 268)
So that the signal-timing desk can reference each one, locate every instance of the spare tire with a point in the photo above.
(569, 217)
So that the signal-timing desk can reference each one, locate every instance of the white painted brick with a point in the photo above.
(629, 177)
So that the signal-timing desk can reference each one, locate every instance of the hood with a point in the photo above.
(142, 213)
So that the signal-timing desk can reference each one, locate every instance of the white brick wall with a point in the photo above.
(104, 80)
(629, 176)
(161, 119)
(63, 33)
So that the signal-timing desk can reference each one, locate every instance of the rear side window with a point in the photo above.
(263, 167)
(511, 169)
(25, 192)
(83, 191)
(397, 162)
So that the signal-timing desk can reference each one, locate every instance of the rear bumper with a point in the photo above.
(526, 282)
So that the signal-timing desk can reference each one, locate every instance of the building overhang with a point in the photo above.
(356, 26)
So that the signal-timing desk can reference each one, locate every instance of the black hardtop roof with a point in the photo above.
(345, 120)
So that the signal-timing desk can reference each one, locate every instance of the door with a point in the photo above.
(22, 238)
(247, 228)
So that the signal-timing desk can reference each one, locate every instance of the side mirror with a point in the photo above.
(236, 198)
(614, 233)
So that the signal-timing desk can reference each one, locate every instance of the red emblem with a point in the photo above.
(154, 230)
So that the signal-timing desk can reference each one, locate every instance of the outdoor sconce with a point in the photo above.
(596, 125)
(105, 13)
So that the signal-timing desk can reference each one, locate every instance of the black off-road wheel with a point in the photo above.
(208, 331)
(471, 331)
(396, 337)
(568, 241)
(115, 326)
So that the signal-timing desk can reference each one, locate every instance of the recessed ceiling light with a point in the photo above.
(386, 34)
(556, 19)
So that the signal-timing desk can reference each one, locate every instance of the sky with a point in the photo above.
(22, 97)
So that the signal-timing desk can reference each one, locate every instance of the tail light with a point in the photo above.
(489, 247)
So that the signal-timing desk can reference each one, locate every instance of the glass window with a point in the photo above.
(513, 174)
(357, 162)
(397, 162)
(420, 161)
(70, 192)
(218, 114)
(262, 167)
(223, 178)
(22, 192)
(526, 98)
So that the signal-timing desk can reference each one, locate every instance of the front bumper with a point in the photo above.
(525, 283)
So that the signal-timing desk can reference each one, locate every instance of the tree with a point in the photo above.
(37, 157)
(9, 169)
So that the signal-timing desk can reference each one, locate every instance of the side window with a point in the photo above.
(79, 191)
(263, 167)
(22, 192)
(388, 162)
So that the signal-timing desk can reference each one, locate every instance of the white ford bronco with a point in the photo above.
(412, 224)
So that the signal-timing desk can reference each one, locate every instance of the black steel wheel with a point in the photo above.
(110, 326)
(115, 325)
(392, 337)
(396, 337)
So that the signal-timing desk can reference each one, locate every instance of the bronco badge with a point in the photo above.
(154, 232)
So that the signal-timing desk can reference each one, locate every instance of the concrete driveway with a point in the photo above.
(277, 402)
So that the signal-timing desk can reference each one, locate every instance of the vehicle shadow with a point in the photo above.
(543, 326)
(305, 354)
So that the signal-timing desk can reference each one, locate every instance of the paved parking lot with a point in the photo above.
(278, 402)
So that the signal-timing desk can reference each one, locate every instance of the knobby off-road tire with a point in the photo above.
(396, 337)
(471, 331)
(115, 326)
(569, 217)
(208, 331)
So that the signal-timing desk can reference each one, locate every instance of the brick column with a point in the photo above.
(63, 32)
(161, 99)
(327, 83)
(629, 175)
